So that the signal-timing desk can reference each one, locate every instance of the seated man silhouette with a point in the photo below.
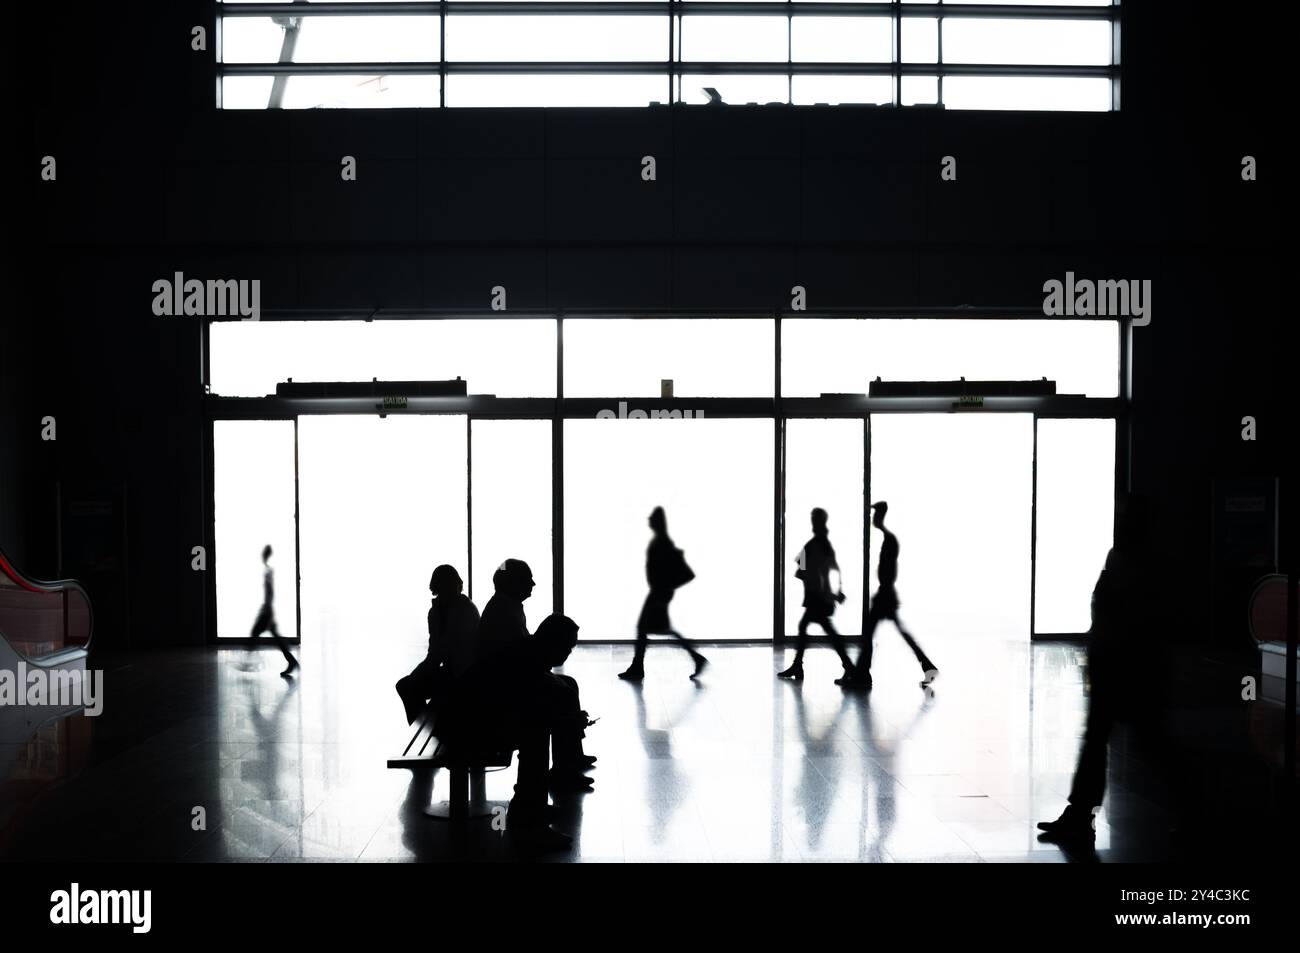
(453, 628)
(502, 628)
(507, 699)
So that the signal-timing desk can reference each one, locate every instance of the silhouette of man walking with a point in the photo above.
(885, 606)
(666, 571)
(816, 561)
(265, 621)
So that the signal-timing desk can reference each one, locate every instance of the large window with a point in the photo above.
(399, 53)
(714, 480)
(506, 357)
(991, 503)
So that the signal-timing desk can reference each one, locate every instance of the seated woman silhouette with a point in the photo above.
(453, 629)
(666, 571)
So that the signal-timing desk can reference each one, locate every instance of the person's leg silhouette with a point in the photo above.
(699, 660)
(796, 667)
(636, 671)
(928, 668)
(859, 675)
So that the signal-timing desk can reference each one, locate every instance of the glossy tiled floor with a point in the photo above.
(740, 766)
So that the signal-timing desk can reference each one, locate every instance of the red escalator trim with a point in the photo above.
(18, 577)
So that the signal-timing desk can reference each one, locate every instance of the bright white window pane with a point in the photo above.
(714, 480)
(920, 40)
(333, 39)
(613, 89)
(360, 92)
(1062, 93)
(251, 40)
(845, 355)
(1076, 512)
(505, 357)
(823, 468)
(1040, 42)
(383, 39)
(725, 39)
(246, 92)
(382, 502)
(833, 90)
(704, 358)
(840, 39)
(253, 500)
(736, 89)
(919, 90)
(959, 489)
(511, 517)
(551, 38)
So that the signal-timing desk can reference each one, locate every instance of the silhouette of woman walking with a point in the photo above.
(816, 562)
(666, 571)
(265, 621)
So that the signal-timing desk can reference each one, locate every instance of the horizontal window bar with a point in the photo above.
(739, 8)
(662, 67)
(585, 408)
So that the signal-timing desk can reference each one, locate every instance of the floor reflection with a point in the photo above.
(738, 767)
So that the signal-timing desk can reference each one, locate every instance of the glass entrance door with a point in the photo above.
(382, 501)
(960, 495)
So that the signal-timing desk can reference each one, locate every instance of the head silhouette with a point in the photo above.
(556, 636)
(266, 552)
(445, 581)
(513, 579)
(658, 522)
(878, 514)
(819, 520)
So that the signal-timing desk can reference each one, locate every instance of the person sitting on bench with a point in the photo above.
(507, 700)
(453, 629)
(503, 627)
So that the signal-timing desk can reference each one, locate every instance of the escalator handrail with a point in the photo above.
(51, 586)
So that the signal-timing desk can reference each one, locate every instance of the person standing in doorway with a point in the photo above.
(666, 571)
(816, 562)
(885, 606)
(265, 621)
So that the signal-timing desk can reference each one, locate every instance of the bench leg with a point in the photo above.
(458, 803)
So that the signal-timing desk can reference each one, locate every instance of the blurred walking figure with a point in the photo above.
(666, 571)
(885, 606)
(265, 621)
(1126, 666)
(816, 562)
(453, 629)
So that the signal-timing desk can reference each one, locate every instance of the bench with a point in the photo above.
(465, 771)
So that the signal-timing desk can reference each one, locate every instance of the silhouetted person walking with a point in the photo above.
(453, 628)
(884, 605)
(502, 629)
(666, 571)
(265, 621)
(816, 562)
(1125, 669)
